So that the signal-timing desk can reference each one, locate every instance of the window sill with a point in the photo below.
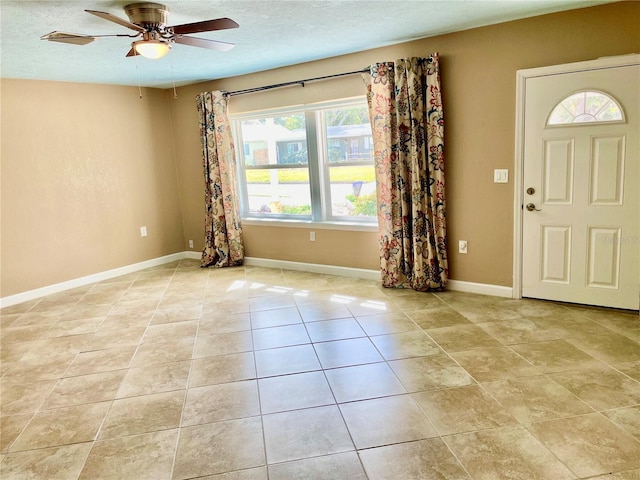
(279, 222)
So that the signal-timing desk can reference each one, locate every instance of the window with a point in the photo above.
(308, 163)
(586, 107)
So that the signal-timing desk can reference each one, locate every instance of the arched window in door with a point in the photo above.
(587, 106)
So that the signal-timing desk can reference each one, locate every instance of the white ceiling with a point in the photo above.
(271, 34)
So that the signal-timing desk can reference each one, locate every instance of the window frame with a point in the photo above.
(317, 166)
(559, 104)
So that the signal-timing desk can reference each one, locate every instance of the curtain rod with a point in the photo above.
(288, 84)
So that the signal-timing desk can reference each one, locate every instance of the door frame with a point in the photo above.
(518, 188)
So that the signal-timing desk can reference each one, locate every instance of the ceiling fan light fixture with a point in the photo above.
(152, 49)
(154, 37)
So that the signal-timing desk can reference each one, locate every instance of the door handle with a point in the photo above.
(531, 207)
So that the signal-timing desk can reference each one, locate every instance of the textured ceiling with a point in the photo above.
(271, 34)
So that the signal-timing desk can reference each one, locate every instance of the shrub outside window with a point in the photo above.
(311, 163)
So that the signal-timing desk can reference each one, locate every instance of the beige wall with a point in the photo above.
(83, 167)
(478, 76)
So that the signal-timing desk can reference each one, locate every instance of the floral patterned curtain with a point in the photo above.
(223, 232)
(408, 135)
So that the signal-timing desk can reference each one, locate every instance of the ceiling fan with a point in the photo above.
(155, 37)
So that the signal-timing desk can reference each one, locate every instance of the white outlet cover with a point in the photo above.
(501, 175)
(143, 231)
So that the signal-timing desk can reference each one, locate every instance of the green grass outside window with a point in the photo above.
(301, 175)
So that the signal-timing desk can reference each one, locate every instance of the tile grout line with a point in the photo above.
(255, 366)
(97, 435)
(186, 387)
(337, 405)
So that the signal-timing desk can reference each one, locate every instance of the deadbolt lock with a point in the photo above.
(531, 191)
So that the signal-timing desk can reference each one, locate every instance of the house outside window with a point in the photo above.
(312, 163)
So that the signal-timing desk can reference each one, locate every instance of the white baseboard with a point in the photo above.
(454, 285)
(480, 288)
(313, 267)
(93, 278)
(193, 255)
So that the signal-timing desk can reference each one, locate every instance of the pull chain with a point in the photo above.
(173, 80)
(138, 75)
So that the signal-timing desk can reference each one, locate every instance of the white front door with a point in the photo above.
(581, 182)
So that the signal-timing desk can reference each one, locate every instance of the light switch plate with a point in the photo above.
(501, 175)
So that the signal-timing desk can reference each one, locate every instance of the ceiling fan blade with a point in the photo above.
(115, 19)
(64, 37)
(205, 26)
(132, 53)
(204, 43)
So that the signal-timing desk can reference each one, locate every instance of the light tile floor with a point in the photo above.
(251, 373)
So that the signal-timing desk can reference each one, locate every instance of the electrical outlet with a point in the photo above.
(143, 231)
(190, 243)
(312, 236)
(462, 246)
